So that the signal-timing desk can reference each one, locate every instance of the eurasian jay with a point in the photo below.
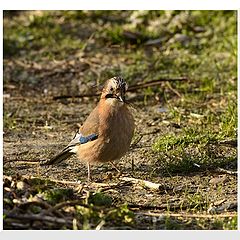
(107, 132)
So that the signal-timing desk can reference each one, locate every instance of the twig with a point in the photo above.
(132, 165)
(68, 203)
(38, 203)
(100, 225)
(41, 204)
(94, 184)
(71, 203)
(152, 132)
(134, 144)
(143, 183)
(164, 206)
(141, 135)
(173, 90)
(188, 215)
(155, 83)
(111, 185)
(35, 162)
(229, 143)
(76, 96)
(131, 88)
(53, 180)
(221, 170)
(15, 225)
(38, 217)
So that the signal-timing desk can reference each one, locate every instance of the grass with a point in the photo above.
(207, 109)
(54, 196)
(211, 44)
(198, 143)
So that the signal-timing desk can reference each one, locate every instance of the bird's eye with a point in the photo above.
(111, 89)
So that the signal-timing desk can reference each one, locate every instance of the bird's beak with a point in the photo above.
(121, 96)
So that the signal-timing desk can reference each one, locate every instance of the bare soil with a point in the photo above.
(39, 135)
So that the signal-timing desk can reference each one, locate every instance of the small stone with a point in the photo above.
(22, 185)
(217, 180)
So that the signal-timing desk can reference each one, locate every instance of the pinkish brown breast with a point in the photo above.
(116, 129)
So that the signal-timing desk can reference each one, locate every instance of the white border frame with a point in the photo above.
(120, 5)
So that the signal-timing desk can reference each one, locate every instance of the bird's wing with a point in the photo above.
(88, 131)
(91, 124)
(80, 139)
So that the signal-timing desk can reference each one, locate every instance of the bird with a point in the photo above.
(106, 134)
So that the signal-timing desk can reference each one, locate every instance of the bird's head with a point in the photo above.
(115, 89)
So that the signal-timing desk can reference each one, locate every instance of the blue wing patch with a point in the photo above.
(91, 137)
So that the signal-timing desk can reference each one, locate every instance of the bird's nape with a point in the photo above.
(115, 87)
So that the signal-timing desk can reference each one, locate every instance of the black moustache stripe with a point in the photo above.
(110, 96)
(114, 96)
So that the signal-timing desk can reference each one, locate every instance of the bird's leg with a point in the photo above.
(89, 175)
(132, 165)
(114, 166)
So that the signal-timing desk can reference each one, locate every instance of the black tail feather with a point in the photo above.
(58, 158)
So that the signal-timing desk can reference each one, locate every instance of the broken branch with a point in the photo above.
(143, 183)
(131, 88)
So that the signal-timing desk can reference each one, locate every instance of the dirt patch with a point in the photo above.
(196, 193)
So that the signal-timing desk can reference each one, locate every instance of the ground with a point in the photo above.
(180, 172)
